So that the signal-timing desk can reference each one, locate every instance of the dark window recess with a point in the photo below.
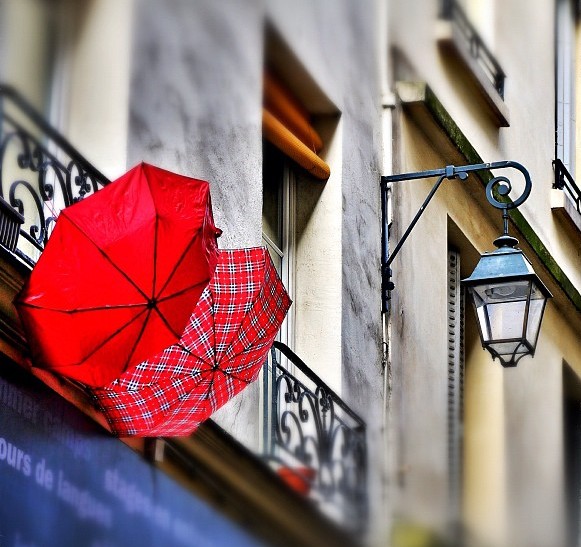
(572, 453)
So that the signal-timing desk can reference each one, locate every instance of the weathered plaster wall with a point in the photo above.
(419, 347)
(196, 91)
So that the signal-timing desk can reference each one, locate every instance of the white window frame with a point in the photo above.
(565, 29)
(287, 252)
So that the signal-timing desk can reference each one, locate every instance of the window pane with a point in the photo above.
(272, 184)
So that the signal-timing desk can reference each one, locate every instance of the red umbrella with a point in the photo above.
(120, 275)
(220, 352)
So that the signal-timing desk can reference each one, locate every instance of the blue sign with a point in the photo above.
(65, 482)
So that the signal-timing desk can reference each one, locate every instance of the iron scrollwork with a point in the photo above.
(312, 429)
(498, 189)
(565, 181)
(41, 173)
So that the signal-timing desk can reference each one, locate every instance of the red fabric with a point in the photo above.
(220, 352)
(147, 236)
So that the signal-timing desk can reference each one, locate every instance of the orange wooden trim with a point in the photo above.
(278, 134)
(279, 101)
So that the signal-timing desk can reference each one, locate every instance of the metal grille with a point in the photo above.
(564, 181)
(10, 222)
(314, 435)
(40, 172)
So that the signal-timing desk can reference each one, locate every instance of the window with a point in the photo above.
(565, 84)
(566, 203)
(467, 32)
(278, 186)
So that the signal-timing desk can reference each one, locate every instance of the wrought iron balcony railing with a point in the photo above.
(314, 440)
(40, 172)
(476, 46)
(565, 181)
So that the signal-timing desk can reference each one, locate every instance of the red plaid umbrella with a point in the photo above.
(220, 352)
(120, 275)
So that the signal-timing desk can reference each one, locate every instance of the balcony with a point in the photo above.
(40, 172)
(458, 36)
(314, 440)
(566, 197)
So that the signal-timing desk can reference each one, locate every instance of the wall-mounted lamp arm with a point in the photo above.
(500, 185)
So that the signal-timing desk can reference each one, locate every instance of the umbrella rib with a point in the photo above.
(138, 338)
(81, 310)
(188, 351)
(179, 293)
(166, 323)
(117, 331)
(176, 266)
(106, 256)
(165, 299)
(155, 255)
(233, 376)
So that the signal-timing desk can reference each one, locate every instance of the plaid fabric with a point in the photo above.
(220, 352)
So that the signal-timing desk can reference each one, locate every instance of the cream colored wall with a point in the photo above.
(25, 63)
(513, 490)
(484, 472)
(319, 267)
(96, 114)
(534, 437)
(73, 64)
(419, 346)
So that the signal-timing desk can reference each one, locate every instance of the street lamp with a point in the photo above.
(509, 298)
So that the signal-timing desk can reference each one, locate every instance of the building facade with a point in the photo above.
(293, 112)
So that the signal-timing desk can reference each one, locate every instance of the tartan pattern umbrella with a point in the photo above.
(120, 275)
(220, 352)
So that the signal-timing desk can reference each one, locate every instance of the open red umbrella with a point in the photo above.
(220, 352)
(120, 275)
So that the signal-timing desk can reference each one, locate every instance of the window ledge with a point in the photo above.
(565, 209)
(450, 41)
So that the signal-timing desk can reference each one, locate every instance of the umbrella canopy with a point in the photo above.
(120, 275)
(220, 352)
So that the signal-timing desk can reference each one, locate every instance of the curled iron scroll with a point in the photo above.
(503, 187)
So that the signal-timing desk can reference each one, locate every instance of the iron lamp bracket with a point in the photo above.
(497, 186)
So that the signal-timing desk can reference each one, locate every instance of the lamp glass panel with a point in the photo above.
(506, 320)
(483, 323)
(536, 309)
(507, 291)
(501, 309)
